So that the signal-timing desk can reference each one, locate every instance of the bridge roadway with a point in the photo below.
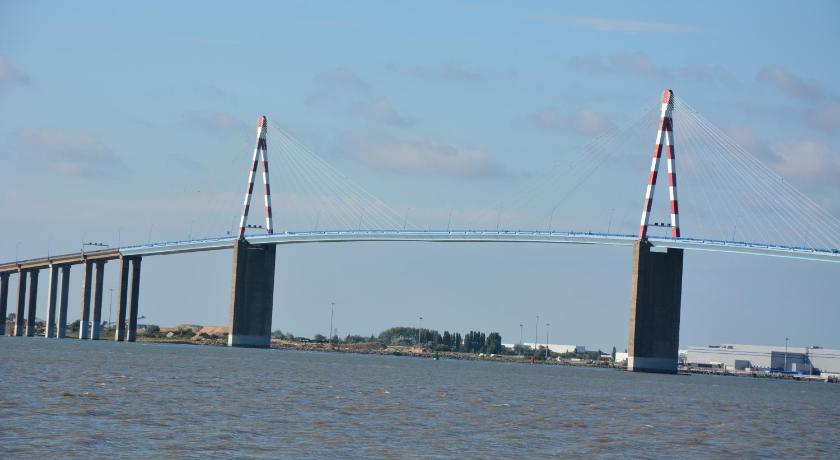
(443, 236)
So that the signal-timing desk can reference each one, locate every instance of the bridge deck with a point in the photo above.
(437, 236)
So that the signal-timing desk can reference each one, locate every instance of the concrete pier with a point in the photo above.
(655, 297)
(84, 322)
(122, 300)
(252, 295)
(21, 303)
(4, 301)
(33, 303)
(49, 328)
(131, 332)
(62, 303)
(96, 322)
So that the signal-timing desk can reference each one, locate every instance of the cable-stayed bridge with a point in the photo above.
(730, 201)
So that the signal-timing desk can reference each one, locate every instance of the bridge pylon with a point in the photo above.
(260, 154)
(664, 139)
(252, 288)
(656, 286)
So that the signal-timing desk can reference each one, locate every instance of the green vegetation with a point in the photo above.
(472, 342)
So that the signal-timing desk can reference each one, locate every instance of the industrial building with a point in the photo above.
(734, 357)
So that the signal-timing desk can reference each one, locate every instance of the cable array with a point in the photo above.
(313, 195)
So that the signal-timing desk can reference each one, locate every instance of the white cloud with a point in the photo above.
(583, 121)
(12, 76)
(73, 154)
(424, 156)
(826, 118)
(343, 88)
(380, 110)
(620, 25)
(807, 159)
(336, 83)
(640, 63)
(787, 82)
(450, 71)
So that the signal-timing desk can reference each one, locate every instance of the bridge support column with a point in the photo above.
(131, 332)
(33, 303)
(62, 302)
(49, 331)
(655, 297)
(252, 295)
(96, 323)
(4, 301)
(21, 303)
(84, 322)
(122, 302)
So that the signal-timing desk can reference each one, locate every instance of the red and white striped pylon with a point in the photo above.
(261, 150)
(665, 136)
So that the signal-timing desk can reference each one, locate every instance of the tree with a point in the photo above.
(319, 338)
(613, 354)
(447, 339)
(493, 343)
(152, 330)
(457, 344)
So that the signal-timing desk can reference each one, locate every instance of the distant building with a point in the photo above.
(773, 358)
(553, 347)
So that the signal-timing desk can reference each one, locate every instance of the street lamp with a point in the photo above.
(786, 349)
(520, 336)
(332, 312)
(546, 339)
(419, 332)
(110, 306)
(536, 333)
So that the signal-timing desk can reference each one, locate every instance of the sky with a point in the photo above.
(131, 123)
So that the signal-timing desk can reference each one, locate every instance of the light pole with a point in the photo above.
(332, 312)
(786, 348)
(536, 333)
(110, 306)
(419, 333)
(546, 339)
(520, 336)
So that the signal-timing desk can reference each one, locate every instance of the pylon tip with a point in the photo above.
(262, 122)
(667, 96)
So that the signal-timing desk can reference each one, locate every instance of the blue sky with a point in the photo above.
(124, 123)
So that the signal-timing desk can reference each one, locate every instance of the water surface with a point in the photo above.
(71, 398)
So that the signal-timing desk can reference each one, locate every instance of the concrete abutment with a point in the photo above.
(252, 295)
(655, 297)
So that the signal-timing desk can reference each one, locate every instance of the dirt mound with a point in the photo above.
(213, 330)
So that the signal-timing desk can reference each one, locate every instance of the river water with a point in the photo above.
(68, 398)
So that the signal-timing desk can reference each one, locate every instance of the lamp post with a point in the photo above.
(786, 348)
(419, 333)
(546, 339)
(536, 333)
(110, 306)
(521, 326)
(332, 313)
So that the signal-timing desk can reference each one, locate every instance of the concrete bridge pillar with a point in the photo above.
(62, 302)
(252, 295)
(128, 332)
(33, 303)
(96, 323)
(655, 296)
(131, 333)
(4, 301)
(49, 329)
(21, 303)
(84, 322)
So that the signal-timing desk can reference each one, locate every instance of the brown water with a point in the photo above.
(68, 398)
